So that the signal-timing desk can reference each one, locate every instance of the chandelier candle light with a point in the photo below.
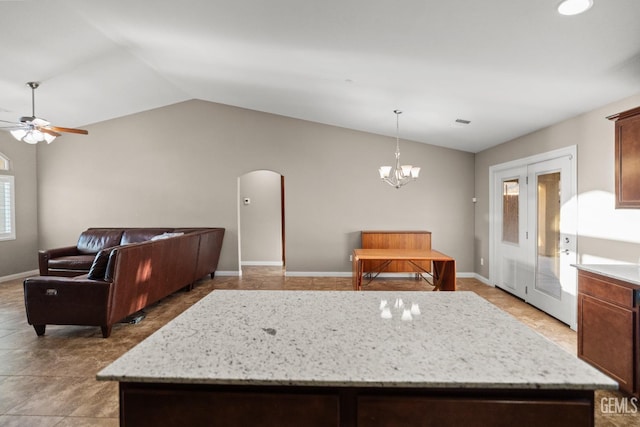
(400, 175)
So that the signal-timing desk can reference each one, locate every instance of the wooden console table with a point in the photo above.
(443, 266)
(396, 239)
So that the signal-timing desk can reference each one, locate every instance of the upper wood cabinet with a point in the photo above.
(627, 155)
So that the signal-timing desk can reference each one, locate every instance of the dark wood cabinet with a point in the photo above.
(608, 328)
(627, 158)
(151, 405)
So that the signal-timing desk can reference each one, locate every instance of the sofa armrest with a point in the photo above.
(44, 255)
(64, 281)
(66, 301)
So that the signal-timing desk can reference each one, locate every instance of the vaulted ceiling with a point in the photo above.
(507, 66)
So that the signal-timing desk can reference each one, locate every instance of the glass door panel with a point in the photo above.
(548, 234)
(511, 268)
(510, 211)
(552, 219)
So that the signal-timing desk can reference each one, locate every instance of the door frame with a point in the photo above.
(239, 203)
(571, 152)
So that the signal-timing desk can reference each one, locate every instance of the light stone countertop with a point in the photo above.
(340, 338)
(625, 272)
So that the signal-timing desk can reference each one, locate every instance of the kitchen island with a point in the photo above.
(609, 321)
(336, 358)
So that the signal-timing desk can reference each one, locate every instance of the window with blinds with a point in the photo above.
(7, 201)
(4, 163)
(7, 204)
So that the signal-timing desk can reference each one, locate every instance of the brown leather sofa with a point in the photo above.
(76, 260)
(121, 279)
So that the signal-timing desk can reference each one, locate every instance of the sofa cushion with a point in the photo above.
(76, 262)
(91, 241)
(109, 274)
(166, 236)
(136, 235)
(99, 265)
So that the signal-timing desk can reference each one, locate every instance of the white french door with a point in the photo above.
(513, 272)
(553, 247)
(534, 232)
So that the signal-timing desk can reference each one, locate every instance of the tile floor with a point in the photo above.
(50, 380)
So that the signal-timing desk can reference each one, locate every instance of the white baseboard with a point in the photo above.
(222, 273)
(262, 263)
(479, 278)
(19, 275)
(233, 273)
(317, 273)
(388, 275)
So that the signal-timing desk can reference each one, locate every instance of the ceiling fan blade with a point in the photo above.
(13, 123)
(14, 127)
(7, 125)
(47, 130)
(70, 130)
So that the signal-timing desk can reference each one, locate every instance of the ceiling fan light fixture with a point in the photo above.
(32, 136)
(49, 138)
(574, 7)
(18, 134)
(32, 129)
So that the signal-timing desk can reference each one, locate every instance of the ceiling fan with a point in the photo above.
(32, 129)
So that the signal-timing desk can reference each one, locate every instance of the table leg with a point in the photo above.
(439, 269)
(444, 275)
(357, 271)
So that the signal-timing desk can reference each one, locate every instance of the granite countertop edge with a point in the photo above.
(361, 384)
(625, 272)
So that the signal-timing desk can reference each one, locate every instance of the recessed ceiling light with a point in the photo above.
(574, 7)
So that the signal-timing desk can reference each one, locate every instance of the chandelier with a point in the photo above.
(399, 175)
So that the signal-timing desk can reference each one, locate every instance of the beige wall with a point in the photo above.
(605, 235)
(21, 255)
(179, 165)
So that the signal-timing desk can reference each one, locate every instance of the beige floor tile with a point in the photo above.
(50, 380)
(28, 421)
(88, 422)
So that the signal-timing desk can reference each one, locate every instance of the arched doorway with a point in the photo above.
(261, 229)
